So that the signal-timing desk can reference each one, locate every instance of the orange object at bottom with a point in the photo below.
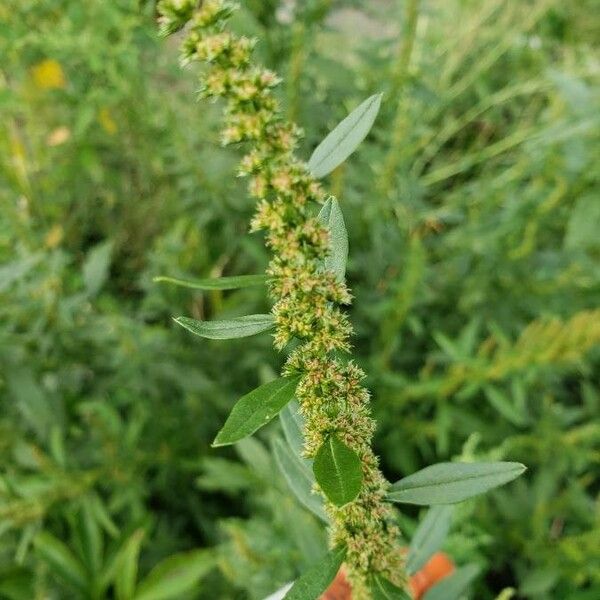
(339, 589)
(438, 567)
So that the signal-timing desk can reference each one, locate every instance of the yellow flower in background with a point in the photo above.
(48, 74)
(58, 136)
(107, 122)
(54, 236)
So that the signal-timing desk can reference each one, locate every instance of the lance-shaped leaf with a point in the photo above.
(226, 330)
(292, 423)
(256, 409)
(15, 270)
(316, 580)
(429, 537)
(97, 266)
(90, 537)
(126, 566)
(345, 138)
(60, 558)
(505, 407)
(382, 589)
(299, 476)
(447, 483)
(219, 283)
(175, 576)
(454, 586)
(338, 471)
(332, 218)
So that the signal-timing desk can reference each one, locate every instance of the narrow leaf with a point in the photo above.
(13, 271)
(332, 218)
(90, 537)
(103, 517)
(447, 483)
(338, 471)
(293, 427)
(40, 412)
(256, 409)
(429, 537)
(280, 593)
(453, 586)
(299, 477)
(219, 283)
(126, 566)
(316, 580)
(504, 406)
(256, 457)
(175, 576)
(226, 330)
(61, 560)
(97, 266)
(539, 582)
(382, 589)
(345, 138)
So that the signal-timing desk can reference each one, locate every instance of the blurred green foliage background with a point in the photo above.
(473, 211)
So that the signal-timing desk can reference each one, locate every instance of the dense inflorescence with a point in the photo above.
(307, 298)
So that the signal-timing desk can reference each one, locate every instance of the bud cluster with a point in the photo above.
(307, 298)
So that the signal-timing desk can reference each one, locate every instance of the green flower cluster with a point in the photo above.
(307, 297)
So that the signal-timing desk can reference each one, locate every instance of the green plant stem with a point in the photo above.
(399, 78)
(297, 59)
(303, 31)
(18, 170)
(307, 297)
(404, 292)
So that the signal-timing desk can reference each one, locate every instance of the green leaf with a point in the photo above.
(504, 406)
(226, 476)
(345, 138)
(226, 330)
(13, 271)
(316, 580)
(175, 575)
(582, 228)
(90, 536)
(447, 483)
(62, 561)
(338, 471)
(299, 477)
(453, 586)
(256, 457)
(96, 267)
(256, 409)
(17, 584)
(103, 517)
(219, 283)
(382, 589)
(293, 427)
(126, 566)
(538, 582)
(33, 402)
(332, 218)
(583, 595)
(26, 537)
(429, 537)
